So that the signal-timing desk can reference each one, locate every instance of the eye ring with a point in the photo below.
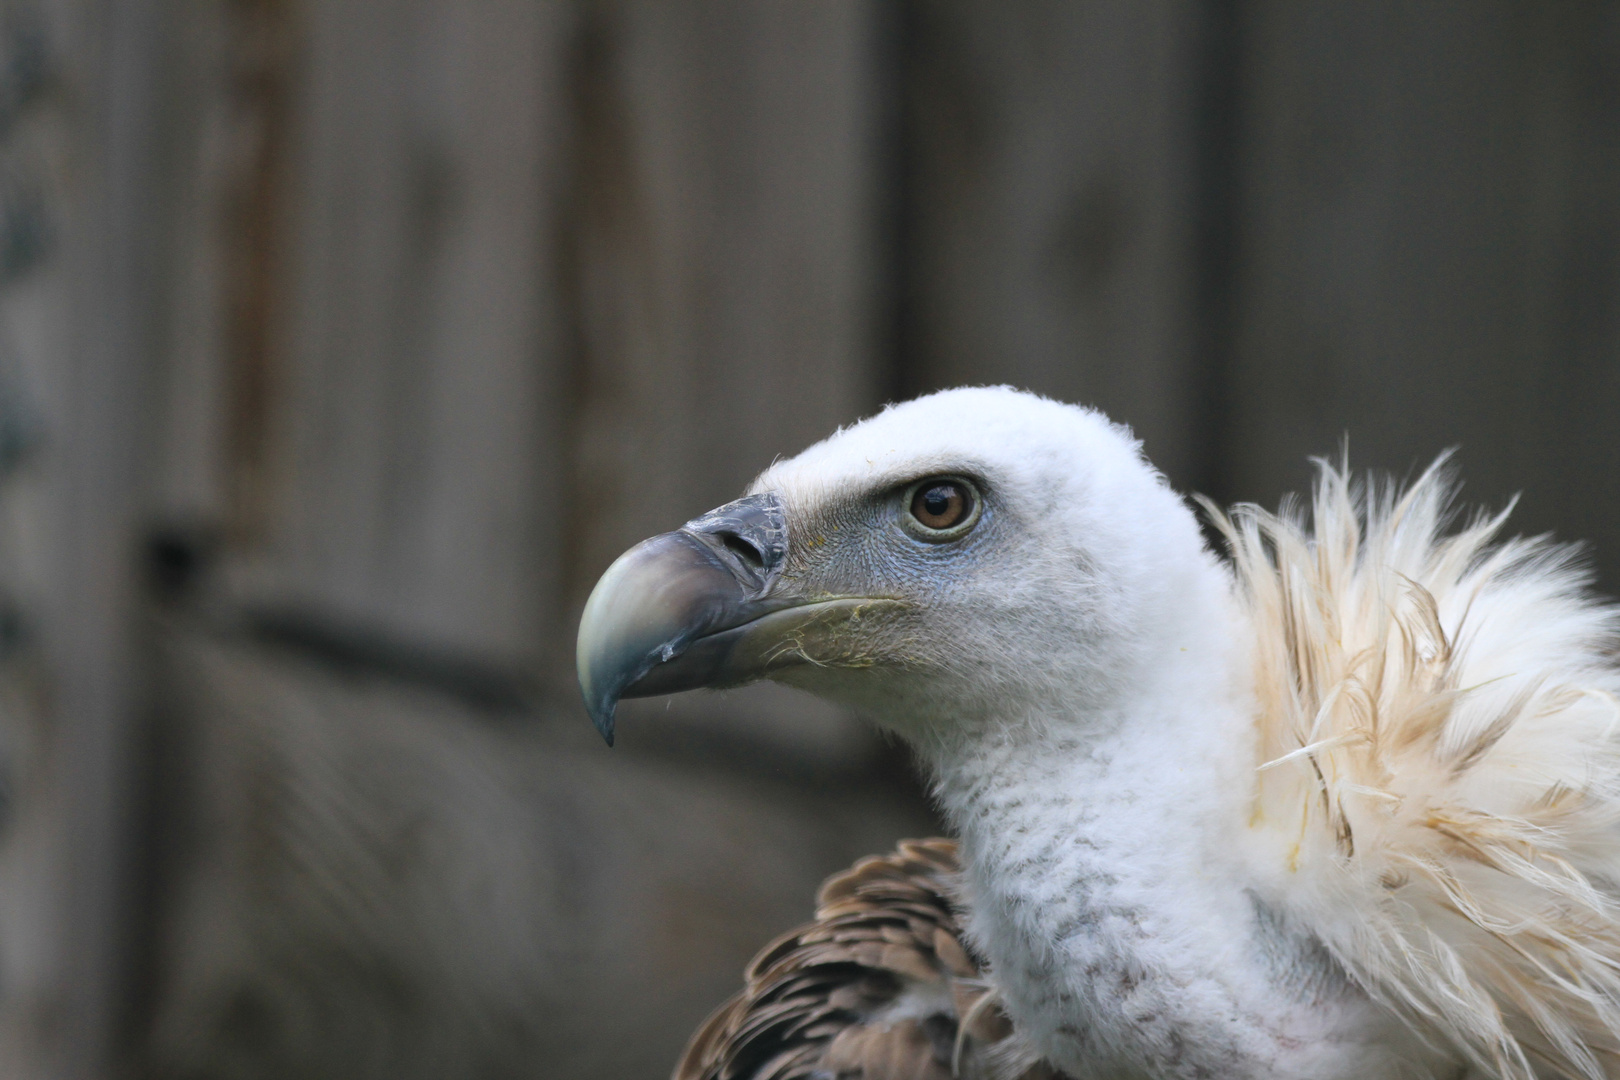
(937, 509)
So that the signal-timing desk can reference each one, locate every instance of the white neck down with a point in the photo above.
(1107, 870)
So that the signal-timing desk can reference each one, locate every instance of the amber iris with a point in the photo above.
(942, 505)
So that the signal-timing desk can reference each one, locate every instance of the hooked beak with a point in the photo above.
(700, 607)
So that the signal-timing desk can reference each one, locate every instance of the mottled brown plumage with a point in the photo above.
(878, 987)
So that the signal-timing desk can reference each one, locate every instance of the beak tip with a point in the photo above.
(602, 716)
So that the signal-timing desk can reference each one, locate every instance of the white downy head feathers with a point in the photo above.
(1082, 559)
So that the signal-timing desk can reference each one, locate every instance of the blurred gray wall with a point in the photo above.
(343, 344)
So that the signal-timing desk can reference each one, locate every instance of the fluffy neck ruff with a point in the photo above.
(1107, 875)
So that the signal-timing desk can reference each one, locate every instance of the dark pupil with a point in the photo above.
(937, 501)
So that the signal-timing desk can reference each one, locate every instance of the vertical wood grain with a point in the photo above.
(102, 334)
(1049, 209)
(415, 416)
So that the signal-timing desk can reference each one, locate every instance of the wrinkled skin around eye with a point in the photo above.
(959, 613)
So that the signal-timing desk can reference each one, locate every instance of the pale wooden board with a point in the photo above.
(724, 254)
(1049, 213)
(413, 484)
(212, 139)
(442, 456)
(78, 334)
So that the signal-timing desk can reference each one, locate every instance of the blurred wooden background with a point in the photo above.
(343, 344)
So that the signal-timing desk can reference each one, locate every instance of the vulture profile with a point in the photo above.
(1344, 803)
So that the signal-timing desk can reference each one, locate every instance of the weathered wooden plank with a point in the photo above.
(82, 330)
(1427, 229)
(413, 481)
(226, 103)
(1048, 217)
(36, 942)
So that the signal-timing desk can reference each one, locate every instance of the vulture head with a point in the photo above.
(930, 567)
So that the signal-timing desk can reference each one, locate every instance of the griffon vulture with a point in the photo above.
(1343, 804)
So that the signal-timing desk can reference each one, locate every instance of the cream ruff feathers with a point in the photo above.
(1438, 738)
(1345, 806)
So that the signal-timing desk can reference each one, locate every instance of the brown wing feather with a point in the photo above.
(879, 987)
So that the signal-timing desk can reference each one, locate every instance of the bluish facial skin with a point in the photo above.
(771, 587)
(955, 613)
(872, 542)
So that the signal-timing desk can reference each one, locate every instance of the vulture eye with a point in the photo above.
(942, 508)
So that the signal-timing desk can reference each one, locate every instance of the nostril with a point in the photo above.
(741, 548)
(752, 532)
